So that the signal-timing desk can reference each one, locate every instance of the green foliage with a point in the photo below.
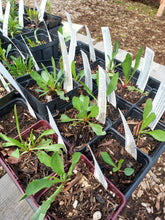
(4, 52)
(31, 143)
(13, 26)
(36, 42)
(113, 83)
(57, 165)
(33, 16)
(148, 117)
(49, 82)
(79, 76)
(127, 64)
(19, 66)
(86, 112)
(107, 159)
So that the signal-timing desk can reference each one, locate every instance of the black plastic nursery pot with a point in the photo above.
(44, 51)
(126, 184)
(8, 97)
(51, 21)
(111, 188)
(26, 82)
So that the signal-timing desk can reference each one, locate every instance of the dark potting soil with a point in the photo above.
(113, 113)
(116, 152)
(3, 91)
(78, 134)
(89, 194)
(79, 61)
(145, 142)
(8, 123)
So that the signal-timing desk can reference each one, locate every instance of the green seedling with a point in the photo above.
(4, 52)
(148, 117)
(127, 64)
(56, 163)
(79, 76)
(13, 26)
(19, 66)
(86, 111)
(128, 171)
(31, 143)
(49, 82)
(33, 16)
(36, 42)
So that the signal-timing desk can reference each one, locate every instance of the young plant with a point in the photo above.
(33, 43)
(79, 76)
(56, 163)
(148, 117)
(127, 64)
(49, 82)
(19, 66)
(31, 143)
(33, 16)
(4, 52)
(86, 111)
(49, 9)
(128, 171)
(13, 27)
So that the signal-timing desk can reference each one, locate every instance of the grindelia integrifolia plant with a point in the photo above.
(31, 143)
(57, 165)
(148, 117)
(128, 171)
(49, 82)
(87, 111)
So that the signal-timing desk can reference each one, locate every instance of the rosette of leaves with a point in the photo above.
(57, 165)
(87, 111)
(49, 82)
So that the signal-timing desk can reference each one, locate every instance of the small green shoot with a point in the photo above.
(86, 111)
(36, 42)
(56, 163)
(33, 16)
(4, 52)
(128, 171)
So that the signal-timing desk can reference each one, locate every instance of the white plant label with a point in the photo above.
(72, 47)
(12, 43)
(102, 103)
(91, 47)
(130, 145)
(107, 45)
(1, 11)
(4, 83)
(111, 98)
(158, 105)
(54, 126)
(68, 82)
(69, 21)
(21, 12)
(40, 16)
(146, 69)
(6, 19)
(87, 71)
(35, 63)
(98, 173)
(42, 9)
(10, 79)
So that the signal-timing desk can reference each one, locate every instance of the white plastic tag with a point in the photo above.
(146, 69)
(111, 98)
(1, 12)
(6, 19)
(107, 45)
(7, 75)
(130, 145)
(21, 12)
(91, 47)
(158, 105)
(4, 83)
(98, 173)
(87, 71)
(72, 47)
(102, 102)
(68, 82)
(42, 9)
(54, 126)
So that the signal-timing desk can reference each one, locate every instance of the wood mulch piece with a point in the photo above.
(89, 194)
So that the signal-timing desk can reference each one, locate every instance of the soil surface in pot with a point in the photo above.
(145, 142)
(3, 91)
(89, 194)
(116, 152)
(78, 134)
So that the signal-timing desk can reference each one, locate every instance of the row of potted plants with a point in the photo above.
(75, 113)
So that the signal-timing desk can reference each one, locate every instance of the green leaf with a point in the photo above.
(97, 129)
(45, 133)
(85, 102)
(44, 158)
(57, 164)
(73, 69)
(52, 147)
(62, 95)
(127, 67)
(147, 121)
(65, 118)
(107, 159)
(77, 103)
(94, 110)
(128, 171)
(120, 163)
(45, 76)
(157, 134)
(115, 50)
(11, 141)
(15, 153)
(137, 61)
(17, 123)
(75, 159)
(113, 83)
(88, 90)
(147, 108)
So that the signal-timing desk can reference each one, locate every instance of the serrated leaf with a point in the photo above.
(107, 159)
(57, 164)
(157, 134)
(97, 129)
(127, 67)
(128, 171)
